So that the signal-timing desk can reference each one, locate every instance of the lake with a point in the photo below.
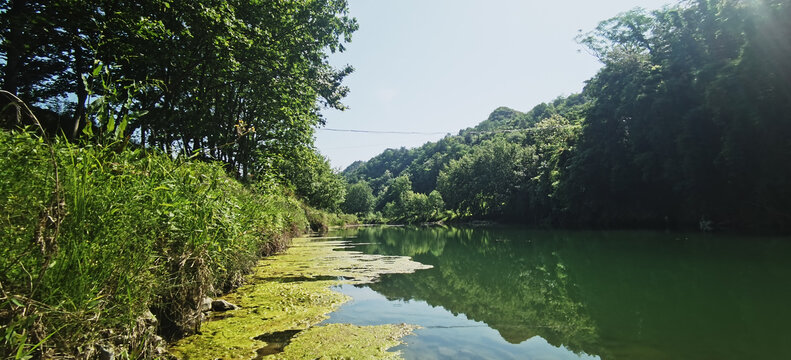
(513, 293)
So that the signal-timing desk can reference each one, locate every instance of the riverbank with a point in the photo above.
(284, 299)
(109, 251)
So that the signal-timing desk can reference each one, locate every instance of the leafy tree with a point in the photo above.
(435, 203)
(553, 139)
(239, 81)
(484, 182)
(359, 198)
(670, 136)
(393, 192)
(314, 180)
(415, 207)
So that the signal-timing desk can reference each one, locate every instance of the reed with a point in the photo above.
(138, 231)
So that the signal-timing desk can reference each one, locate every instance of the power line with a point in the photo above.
(354, 147)
(444, 133)
(384, 132)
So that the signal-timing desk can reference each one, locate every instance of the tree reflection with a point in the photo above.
(520, 291)
(619, 295)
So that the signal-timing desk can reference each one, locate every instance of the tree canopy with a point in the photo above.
(685, 124)
(241, 81)
(236, 81)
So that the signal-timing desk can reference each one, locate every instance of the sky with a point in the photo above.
(440, 66)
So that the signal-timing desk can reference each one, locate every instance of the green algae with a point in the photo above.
(291, 291)
(344, 341)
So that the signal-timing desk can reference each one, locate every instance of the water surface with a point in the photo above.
(506, 292)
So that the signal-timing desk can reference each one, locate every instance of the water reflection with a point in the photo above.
(443, 335)
(619, 295)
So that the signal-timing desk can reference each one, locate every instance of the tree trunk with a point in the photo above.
(14, 46)
(80, 119)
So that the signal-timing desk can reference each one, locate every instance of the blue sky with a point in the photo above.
(444, 65)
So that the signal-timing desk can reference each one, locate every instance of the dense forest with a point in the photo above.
(239, 82)
(685, 125)
(152, 152)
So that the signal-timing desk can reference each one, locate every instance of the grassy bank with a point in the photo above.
(96, 240)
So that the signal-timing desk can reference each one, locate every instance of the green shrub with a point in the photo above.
(112, 234)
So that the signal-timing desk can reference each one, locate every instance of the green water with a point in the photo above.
(504, 292)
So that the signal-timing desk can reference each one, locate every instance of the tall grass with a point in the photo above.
(320, 221)
(139, 231)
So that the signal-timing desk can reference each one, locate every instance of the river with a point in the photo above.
(514, 293)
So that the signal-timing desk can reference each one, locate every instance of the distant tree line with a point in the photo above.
(236, 81)
(686, 124)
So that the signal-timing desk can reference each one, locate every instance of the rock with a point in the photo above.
(158, 340)
(160, 350)
(105, 352)
(148, 319)
(205, 304)
(121, 340)
(222, 305)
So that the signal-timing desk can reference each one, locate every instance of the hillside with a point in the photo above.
(556, 121)
(423, 163)
(685, 125)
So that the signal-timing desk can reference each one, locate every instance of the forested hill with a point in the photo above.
(504, 118)
(686, 124)
(423, 164)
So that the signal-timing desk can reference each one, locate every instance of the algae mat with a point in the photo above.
(290, 293)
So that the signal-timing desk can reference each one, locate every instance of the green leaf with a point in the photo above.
(119, 132)
(97, 69)
(110, 123)
(88, 130)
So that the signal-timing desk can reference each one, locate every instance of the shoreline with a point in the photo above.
(285, 298)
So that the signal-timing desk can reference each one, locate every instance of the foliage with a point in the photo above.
(240, 80)
(321, 221)
(549, 127)
(398, 203)
(684, 125)
(485, 181)
(314, 180)
(140, 231)
(678, 107)
(359, 198)
(394, 191)
(161, 105)
(412, 207)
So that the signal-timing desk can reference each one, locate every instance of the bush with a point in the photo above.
(92, 238)
(321, 221)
